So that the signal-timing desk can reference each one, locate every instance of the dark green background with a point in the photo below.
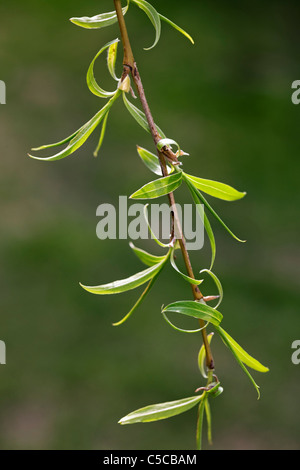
(70, 376)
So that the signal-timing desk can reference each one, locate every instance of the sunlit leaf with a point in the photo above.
(111, 59)
(195, 309)
(161, 410)
(153, 16)
(176, 27)
(127, 284)
(145, 257)
(90, 78)
(80, 136)
(98, 21)
(202, 356)
(215, 189)
(240, 352)
(182, 330)
(159, 187)
(151, 161)
(138, 302)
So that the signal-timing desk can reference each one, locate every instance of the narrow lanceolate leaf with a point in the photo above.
(111, 59)
(98, 21)
(200, 424)
(215, 189)
(189, 279)
(139, 116)
(153, 236)
(240, 352)
(159, 187)
(181, 329)
(205, 220)
(145, 257)
(208, 420)
(195, 309)
(202, 356)
(138, 302)
(237, 354)
(151, 161)
(102, 135)
(176, 27)
(127, 284)
(161, 410)
(90, 78)
(153, 17)
(213, 212)
(80, 136)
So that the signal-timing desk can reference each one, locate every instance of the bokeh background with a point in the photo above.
(70, 375)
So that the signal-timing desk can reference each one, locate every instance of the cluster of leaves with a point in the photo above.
(160, 187)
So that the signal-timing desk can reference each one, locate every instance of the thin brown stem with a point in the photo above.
(162, 155)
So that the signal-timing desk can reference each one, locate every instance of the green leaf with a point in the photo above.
(202, 356)
(218, 284)
(161, 410)
(200, 424)
(127, 284)
(90, 78)
(153, 16)
(176, 27)
(145, 257)
(111, 59)
(205, 220)
(189, 279)
(98, 21)
(159, 187)
(102, 134)
(213, 212)
(195, 309)
(151, 161)
(139, 116)
(80, 136)
(215, 189)
(139, 301)
(240, 352)
(208, 419)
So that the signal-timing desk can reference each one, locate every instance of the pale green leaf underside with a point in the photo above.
(159, 187)
(215, 189)
(127, 284)
(161, 411)
(98, 21)
(111, 59)
(90, 78)
(195, 309)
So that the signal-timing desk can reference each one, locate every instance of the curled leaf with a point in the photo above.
(145, 257)
(90, 78)
(202, 356)
(151, 161)
(195, 309)
(218, 284)
(195, 282)
(153, 16)
(111, 59)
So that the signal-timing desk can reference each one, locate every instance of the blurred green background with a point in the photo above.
(70, 375)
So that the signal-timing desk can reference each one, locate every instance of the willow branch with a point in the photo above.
(130, 66)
